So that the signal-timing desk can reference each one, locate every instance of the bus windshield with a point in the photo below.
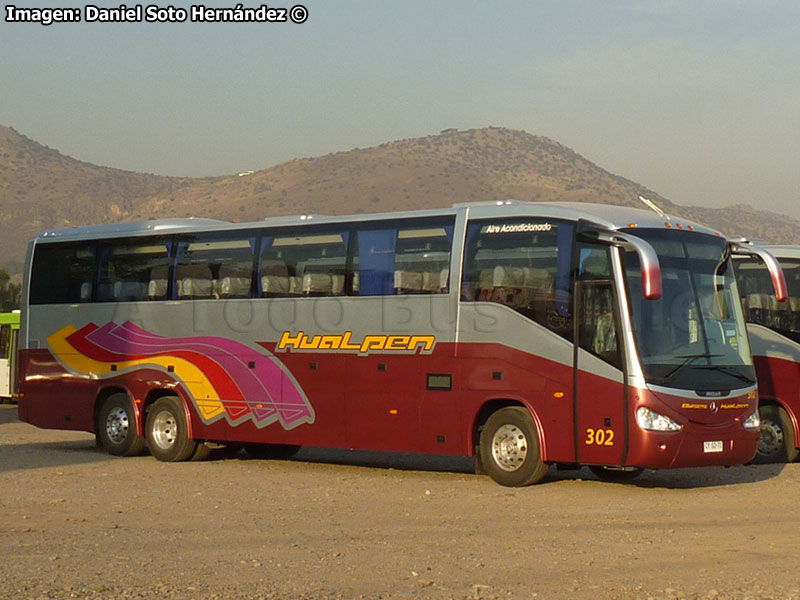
(694, 336)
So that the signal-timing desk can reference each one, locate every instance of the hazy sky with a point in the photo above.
(696, 99)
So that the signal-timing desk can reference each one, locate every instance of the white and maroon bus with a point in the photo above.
(774, 330)
(527, 334)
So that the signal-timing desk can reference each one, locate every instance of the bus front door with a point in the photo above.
(600, 423)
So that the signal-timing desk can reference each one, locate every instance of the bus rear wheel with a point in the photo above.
(116, 426)
(777, 443)
(167, 433)
(509, 448)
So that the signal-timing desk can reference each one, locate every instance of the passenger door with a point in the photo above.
(600, 417)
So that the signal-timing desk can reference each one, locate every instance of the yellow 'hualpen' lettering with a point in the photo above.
(398, 342)
(373, 342)
(346, 345)
(330, 342)
(408, 344)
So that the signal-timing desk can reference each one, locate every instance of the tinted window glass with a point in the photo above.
(402, 260)
(62, 273)
(132, 270)
(760, 304)
(214, 268)
(307, 264)
(597, 331)
(524, 264)
(697, 326)
(5, 340)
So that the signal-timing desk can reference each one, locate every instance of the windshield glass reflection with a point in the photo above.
(694, 336)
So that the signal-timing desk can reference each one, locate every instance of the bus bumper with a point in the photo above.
(694, 446)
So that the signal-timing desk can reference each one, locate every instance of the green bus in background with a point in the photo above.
(9, 335)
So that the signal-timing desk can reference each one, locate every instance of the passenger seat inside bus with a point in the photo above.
(317, 284)
(130, 290)
(421, 282)
(521, 288)
(234, 280)
(195, 281)
(406, 282)
(275, 280)
(157, 288)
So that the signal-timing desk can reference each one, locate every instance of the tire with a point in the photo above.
(777, 443)
(116, 427)
(509, 448)
(167, 433)
(616, 473)
(201, 452)
(271, 451)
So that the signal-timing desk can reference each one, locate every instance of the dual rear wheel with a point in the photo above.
(116, 427)
(166, 431)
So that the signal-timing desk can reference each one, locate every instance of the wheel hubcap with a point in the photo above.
(117, 425)
(771, 440)
(165, 429)
(509, 447)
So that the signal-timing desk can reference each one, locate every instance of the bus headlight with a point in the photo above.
(753, 421)
(650, 419)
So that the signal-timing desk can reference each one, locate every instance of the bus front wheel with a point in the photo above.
(167, 433)
(777, 443)
(116, 426)
(509, 448)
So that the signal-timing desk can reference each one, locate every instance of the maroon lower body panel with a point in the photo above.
(400, 401)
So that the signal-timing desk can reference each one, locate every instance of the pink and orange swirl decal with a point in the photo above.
(225, 379)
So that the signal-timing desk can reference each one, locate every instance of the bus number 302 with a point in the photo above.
(599, 437)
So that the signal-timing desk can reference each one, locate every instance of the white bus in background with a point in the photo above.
(774, 330)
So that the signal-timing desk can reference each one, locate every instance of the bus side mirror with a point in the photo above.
(648, 259)
(773, 266)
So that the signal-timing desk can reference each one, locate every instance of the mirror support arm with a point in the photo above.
(648, 259)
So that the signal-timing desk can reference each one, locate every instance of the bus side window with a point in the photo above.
(303, 265)
(131, 270)
(62, 273)
(403, 260)
(524, 264)
(5, 341)
(422, 260)
(213, 267)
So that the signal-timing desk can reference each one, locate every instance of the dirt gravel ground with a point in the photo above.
(77, 523)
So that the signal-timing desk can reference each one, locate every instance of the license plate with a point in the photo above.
(712, 446)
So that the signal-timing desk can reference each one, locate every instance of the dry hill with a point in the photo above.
(41, 188)
(435, 171)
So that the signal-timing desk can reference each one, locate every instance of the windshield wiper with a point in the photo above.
(688, 360)
(730, 370)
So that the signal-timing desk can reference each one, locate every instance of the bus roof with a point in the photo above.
(779, 250)
(606, 215)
